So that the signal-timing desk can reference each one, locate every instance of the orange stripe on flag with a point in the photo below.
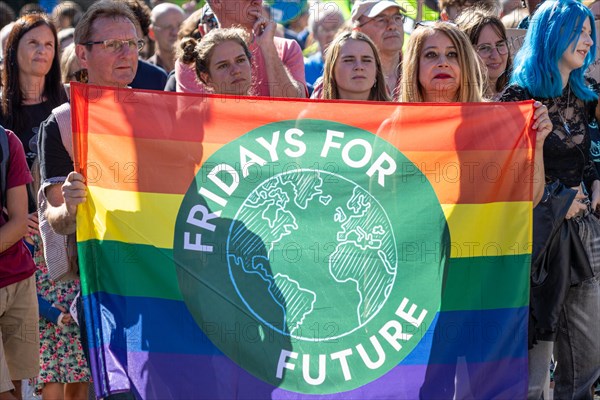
(214, 119)
(465, 177)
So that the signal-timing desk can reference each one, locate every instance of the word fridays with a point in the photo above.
(356, 153)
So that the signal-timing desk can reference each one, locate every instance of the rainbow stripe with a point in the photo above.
(140, 152)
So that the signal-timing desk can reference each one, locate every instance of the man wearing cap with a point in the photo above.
(382, 21)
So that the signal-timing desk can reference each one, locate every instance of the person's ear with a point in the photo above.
(151, 33)
(81, 53)
(205, 78)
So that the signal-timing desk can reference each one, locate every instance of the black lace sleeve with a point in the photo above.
(515, 93)
(590, 174)
(567, 155)
(591, 170)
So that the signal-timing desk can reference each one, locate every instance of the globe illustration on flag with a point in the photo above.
(312, 287)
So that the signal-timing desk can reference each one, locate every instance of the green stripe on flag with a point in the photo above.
(139, 270)
(487, 283)
(128, 269)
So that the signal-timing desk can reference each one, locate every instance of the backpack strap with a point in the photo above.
(60, 259)
(62, 114)
(5, 154)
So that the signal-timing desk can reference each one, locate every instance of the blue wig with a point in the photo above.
(554, 28)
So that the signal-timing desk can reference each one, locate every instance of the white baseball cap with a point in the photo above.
(372, 8)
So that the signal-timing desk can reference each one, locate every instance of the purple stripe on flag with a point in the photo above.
(177, 376)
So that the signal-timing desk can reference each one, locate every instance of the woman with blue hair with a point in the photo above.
(565, 288)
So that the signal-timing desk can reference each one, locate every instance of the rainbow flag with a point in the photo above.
(245, 248)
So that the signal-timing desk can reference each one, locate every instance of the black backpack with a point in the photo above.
(4, 153)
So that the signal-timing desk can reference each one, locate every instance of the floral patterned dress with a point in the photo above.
(61, 353)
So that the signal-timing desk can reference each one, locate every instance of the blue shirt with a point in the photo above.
(149, 76)
(313, 68)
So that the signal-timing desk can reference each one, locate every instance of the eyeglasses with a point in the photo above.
(382, 21)
(485, 50)
(116, 45)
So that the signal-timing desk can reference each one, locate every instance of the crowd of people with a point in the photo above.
(378, 51)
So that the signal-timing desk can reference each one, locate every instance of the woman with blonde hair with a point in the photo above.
(70, 69)
(353, 69)
(440, 65)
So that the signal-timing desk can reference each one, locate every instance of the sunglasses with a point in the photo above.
(432, 24)
(79, 76)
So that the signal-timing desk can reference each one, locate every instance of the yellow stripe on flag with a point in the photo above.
(149, 219)
(488, 230)
(129, 217)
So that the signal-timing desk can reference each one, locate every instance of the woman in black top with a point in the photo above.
(31, 85)
(565, 292)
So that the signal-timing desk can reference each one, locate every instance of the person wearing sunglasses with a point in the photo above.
(488, 37)
(70, 68)
(559, 47)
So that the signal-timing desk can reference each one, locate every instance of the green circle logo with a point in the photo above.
(311, 253)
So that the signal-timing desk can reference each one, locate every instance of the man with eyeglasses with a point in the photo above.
(383, 22)
(107, 45)
(165, 22)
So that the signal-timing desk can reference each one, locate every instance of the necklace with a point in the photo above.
(562, 119)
